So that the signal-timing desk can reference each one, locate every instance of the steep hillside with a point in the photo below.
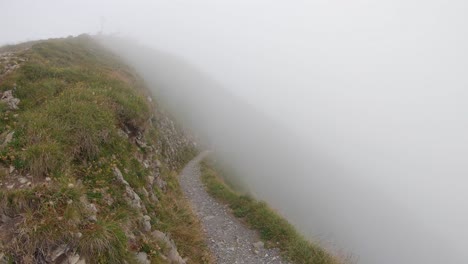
(88, 162)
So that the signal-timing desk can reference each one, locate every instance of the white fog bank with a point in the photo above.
(386, 189)
(349, 117)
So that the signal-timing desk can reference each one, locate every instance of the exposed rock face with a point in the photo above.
(142, 258)
(9, 62)
(13, 180)
(173, 139)
(93, 210)
(8, 139)
(118, 175)
(173, 255)
(133, 198)
(8, 99)
(63, 254)
(146, 223)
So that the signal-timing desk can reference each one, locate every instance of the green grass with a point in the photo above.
(105, 241)
(273, 229)
(75, 96)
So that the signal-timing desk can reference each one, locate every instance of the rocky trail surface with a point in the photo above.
(228, 239)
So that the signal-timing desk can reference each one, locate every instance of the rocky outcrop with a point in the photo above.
(173, 255)
(174, 141)
(8, 99)
(63, 254)
(133, 199)
(9, 62)
(146, 223)
(8, 138)
(142, 258)
(93, 212)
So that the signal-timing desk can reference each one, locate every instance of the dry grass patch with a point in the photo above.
(177, 219)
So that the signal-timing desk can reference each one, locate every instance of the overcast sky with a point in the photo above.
(381, 87)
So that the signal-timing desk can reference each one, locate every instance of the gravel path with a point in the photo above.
(229, 240)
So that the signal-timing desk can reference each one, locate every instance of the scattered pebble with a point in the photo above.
(258, 245)
(22, 180)
(230, 241)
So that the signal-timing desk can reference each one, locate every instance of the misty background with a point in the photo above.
(348, 117)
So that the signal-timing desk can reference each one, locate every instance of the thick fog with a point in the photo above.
(349, 117)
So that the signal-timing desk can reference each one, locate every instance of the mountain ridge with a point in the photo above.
(89, 161)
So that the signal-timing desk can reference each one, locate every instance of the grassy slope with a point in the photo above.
(75, 97)
(273, 229)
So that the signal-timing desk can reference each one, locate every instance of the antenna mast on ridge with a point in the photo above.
(103, 21)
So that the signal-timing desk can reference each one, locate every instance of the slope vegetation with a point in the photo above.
(88, 162)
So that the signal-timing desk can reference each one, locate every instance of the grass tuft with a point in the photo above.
(104, 241)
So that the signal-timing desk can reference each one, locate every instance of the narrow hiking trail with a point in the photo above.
(228, 239)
